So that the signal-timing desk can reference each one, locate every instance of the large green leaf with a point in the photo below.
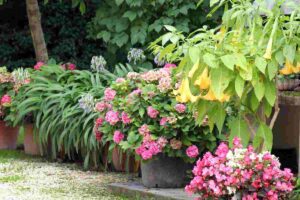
(239, 128)
(220, 79)
(263, 139)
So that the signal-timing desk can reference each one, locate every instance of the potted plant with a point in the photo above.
(8, 134)
(140, 115)
(240, 173)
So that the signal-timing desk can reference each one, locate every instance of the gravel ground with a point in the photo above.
(23, 177)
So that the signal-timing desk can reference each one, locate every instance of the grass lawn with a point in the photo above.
(23, 177)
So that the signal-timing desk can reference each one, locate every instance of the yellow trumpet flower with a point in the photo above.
(268, 53)
(288, 68)
(184, 93)
(194, 69)
(203, 81)
(210, 96)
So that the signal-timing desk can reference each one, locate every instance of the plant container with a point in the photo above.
(8, 136)
(165, 172)
(122, 162)
(31, 145)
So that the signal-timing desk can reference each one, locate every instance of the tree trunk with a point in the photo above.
(34, 18)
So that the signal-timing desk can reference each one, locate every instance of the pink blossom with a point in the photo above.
(237, 142)
(175, 144)
(169, 65)
(162, 142)
(71, 66)
(120, 80)
(101, 106)
(38, 65)
(148, 149)
(112, 117)
(152, 112)
(192, 151)
(180, 108)
(144, 130)
(98, 135)
(109, 94)
(163, 121)
(118, 137)
(5, 100)
(125, 118)
(99, 122)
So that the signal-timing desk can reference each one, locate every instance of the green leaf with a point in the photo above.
(270, 92)
(241, 61)
(217, 114)
(289, 52)
(239, 128)
(229, 61)
(264, 138)
(272, 69)
(211, 60)
(261, 64)
(194, 54)
(259, 90)
(254, 103)
(201, 108)
(239, 86)
(119, 2)
(131, 15)
(220, 80)
(170, 28)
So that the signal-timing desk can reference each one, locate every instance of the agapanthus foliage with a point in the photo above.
(240, 173)
(140, 114)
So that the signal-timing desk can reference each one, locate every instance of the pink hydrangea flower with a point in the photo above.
(192, 151)
(120, 80)
(125, 118)
(118, 137)
(148, 149)
(152, 112)
(162, 142)
(175, 144)
(169, 65)
(100, 106)
(38, 65)
(112, 117)
(144, 130)
(180, 108)
(71, 66)
(99, 122)
(109, 94)
(6, 100)
(163, 121)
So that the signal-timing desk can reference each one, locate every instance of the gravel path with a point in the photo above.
(23, 178)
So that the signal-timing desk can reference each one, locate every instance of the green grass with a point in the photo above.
(10, 179)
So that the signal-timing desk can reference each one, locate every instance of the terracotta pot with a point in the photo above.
(8, 136)
(31, 146)
(288, 84)
(120, 160)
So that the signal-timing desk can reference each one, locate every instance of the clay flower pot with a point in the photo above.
(31, 146)
(288, 84)
(122, 164)
(8, 136)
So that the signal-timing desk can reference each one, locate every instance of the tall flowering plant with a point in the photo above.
(140, 114)
(240, 173)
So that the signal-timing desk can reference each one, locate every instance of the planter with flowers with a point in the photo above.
(8, 134)
(140, 115)
(239, 173)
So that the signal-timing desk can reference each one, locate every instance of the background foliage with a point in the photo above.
(64, 29)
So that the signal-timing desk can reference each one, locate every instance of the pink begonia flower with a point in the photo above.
(6, 100)
(71, 66)
(118, 137)
(237, 142)
(125, 118)
(163, 121)
(109, 94)
(192, 151)
(180, 108)
(144, 130)
(120, 80)
(152, 112)
(112, 117)
(38, 65)
(100, 106)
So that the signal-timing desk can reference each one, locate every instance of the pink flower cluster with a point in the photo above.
(101, 106)
(38, 65)
(125, 118)
(69, 66)
(6, 100)
(118, 137)
(240, 172)
(109, 94)
(192, 151)
(180, 108)
(152, 112)
(98, 134)
(112, 117)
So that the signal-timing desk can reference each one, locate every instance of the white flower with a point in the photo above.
(98, 63)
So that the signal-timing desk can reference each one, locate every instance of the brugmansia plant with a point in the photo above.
(237, 63)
